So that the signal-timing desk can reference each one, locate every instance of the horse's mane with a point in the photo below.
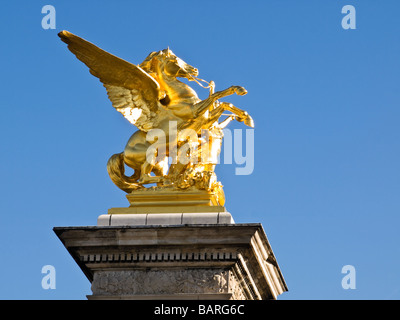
(148, 63)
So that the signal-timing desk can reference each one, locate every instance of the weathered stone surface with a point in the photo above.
(231, 261)
(151, 282)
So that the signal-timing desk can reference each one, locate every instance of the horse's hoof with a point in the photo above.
(249, 122)
(240, 91)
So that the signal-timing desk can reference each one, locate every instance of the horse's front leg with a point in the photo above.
(227, 92)
(241, 115)
(203, 106)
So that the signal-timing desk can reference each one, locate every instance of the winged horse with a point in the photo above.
(151, 97)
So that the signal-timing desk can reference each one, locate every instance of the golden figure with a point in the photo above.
(170, 117)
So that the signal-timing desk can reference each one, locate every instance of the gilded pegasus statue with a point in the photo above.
(167, 112)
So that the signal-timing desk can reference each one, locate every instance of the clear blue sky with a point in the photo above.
(325, 102)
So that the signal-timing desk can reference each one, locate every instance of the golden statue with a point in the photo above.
(174, 124)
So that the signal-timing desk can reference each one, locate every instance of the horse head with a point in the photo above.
(168, 63)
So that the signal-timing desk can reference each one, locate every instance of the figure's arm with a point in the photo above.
(212, 87)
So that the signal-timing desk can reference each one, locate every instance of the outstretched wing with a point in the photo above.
(131, 90)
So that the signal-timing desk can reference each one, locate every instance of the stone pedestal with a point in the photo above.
(175, 261)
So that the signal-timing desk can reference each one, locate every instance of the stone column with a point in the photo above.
(216, 260)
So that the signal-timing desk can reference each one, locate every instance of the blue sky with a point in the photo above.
(325, 102)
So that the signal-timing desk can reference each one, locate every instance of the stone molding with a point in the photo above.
(157, 257)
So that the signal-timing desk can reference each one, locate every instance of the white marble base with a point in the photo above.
(143, 219)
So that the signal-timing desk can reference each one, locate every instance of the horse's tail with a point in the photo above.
(116, 171)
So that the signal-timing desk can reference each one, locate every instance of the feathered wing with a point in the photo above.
(131, 90)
